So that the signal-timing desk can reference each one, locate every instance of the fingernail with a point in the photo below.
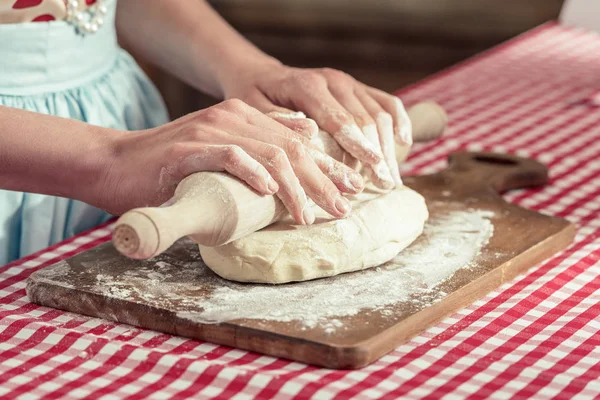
(342, 205)
(313, 128)
(371, 146)
(398, 180)
(383, 173)
(308, 215)
(395, 171)
(168, 202)
(404, 130)
(356, 181)
(273, 186)
(405, 134)
(370, 132)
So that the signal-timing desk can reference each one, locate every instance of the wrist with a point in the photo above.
(97, 168)
(243, 73)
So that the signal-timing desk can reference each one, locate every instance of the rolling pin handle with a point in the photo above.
(429, 121)
(136, 236)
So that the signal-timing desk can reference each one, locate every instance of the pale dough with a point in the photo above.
(378, 228)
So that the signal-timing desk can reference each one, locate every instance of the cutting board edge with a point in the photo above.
(326, 355)
(243, 337)
(398, 334)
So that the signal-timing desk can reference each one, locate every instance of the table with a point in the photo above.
(537, 336)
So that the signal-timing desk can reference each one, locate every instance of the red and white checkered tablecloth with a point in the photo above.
(538, 336)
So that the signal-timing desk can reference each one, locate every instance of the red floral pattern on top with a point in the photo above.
(44, 18)
(26, 3)
(18, 11)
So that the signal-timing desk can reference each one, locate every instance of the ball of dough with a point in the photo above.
(377, 229)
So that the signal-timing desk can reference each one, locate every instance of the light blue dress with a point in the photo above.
(47, 67)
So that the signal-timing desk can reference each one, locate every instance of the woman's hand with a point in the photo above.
(365, 121)
(216, 59)
(235, 138)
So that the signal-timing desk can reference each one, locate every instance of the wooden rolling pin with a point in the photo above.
(214, 208)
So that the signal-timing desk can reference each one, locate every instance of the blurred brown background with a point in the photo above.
(384, 43)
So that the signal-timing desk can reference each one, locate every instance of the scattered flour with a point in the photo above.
(449, 243)
(112, 288)
(452, 242)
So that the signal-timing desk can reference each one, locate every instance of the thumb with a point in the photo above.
(296, 121)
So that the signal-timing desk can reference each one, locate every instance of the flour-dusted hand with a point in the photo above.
(235, 138)
(362, 120)
(365, 121)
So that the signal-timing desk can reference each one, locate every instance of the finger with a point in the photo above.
(318, 186)
(254, 117)
(385, 129)
(229, 158)
(259, 127)
(388, 145)
(276, 162)
(297, 122)
(382, 176)
(291, 192)
(343, 177)
(393, 105)
(314, 98)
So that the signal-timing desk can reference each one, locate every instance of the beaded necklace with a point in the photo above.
(86, 21)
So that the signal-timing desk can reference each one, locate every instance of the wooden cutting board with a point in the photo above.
(169, 292)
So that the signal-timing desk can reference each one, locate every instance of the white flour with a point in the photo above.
(448, 244)
(452, 243)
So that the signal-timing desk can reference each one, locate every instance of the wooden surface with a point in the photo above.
(521, 239)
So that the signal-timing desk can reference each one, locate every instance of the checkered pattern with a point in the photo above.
(537, 336)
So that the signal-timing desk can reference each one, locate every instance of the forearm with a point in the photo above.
(51, 155)
(189, 39)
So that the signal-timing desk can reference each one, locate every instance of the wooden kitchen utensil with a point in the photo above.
(165, 293)
(216, 208)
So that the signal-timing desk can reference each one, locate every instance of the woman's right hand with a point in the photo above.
(232, 137)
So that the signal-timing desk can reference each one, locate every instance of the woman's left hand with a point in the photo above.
(214, 58)
(363, 120)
